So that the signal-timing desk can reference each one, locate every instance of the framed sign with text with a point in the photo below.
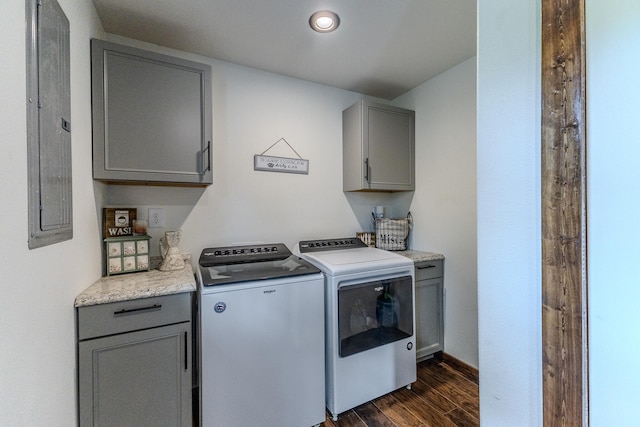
(118, 221)
(261, 162)
(280, 164)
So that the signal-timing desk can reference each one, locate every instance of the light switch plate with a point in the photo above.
(156, 218)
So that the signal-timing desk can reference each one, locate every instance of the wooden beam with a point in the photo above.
(564, 280)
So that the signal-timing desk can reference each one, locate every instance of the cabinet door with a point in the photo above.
(389, 133)
(429, 317)
(137, 379)
(151, 116)
(378, 148)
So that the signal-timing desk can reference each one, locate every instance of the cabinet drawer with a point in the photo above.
(113, 318)
(429, 270)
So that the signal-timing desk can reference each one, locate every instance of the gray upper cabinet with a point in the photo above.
(378, 148)
(151, 117)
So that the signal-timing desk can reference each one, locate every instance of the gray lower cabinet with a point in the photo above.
(134, 363)
(429, 309)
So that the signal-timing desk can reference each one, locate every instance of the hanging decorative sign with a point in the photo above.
(280, 164)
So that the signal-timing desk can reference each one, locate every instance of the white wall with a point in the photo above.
(509, 280)
(613, 153)
(37, 340)
(444, 204)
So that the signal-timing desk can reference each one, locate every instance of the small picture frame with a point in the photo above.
(118, 221)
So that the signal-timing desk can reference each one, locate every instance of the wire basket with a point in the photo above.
(392, 233)
(367, 237)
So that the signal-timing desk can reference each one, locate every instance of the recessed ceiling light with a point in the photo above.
(324, 21)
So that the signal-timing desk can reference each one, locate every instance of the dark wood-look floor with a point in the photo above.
(445, 395)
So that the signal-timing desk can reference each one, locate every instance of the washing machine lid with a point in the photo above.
(344, 256)
(236, 264)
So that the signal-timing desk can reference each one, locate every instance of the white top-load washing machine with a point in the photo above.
(369, 320)
(261, 328)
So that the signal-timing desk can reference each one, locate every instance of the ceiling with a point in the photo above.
(382, 48)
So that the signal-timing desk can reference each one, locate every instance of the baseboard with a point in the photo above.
(466, 370)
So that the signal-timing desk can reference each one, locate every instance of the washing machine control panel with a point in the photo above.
(331, 244)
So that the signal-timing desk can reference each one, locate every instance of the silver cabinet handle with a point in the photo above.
(366, 169)
(208, 157)
(186, 351)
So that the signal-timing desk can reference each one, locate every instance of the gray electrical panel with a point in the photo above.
(48, 124)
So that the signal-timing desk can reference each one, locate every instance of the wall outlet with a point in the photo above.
(156, 218)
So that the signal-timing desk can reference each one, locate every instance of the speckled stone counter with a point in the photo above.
(420, 256)
(124, 287)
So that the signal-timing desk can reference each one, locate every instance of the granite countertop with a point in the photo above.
(420, 256)
(124, 287)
